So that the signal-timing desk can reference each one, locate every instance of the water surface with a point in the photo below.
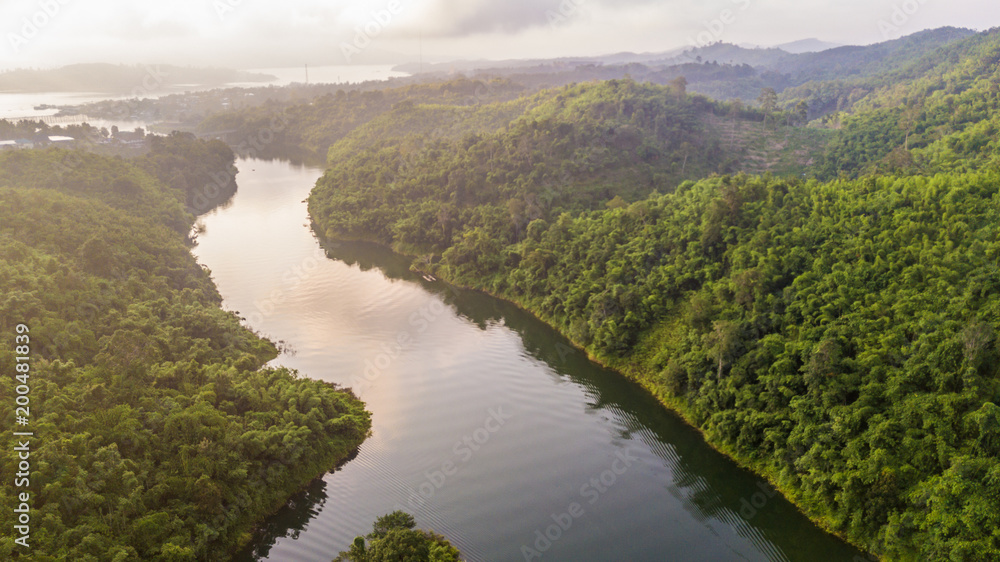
(487, 425)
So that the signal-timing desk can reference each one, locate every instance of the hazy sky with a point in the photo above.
(264, 33)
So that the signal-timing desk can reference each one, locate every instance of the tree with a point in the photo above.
(395, 520)
(400, 545)
(679, 85)
(358, 552)
(616, 203)
(724, 342)
(907, 120)
(802, 112)
(768, 101)
(394, 539)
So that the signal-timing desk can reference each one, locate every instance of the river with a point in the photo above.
(487, 426)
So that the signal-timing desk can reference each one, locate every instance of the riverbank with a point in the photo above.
(635, 367)
(162, 435)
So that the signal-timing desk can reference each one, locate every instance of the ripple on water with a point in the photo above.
(566, 420)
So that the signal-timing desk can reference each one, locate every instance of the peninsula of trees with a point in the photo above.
(164, 436)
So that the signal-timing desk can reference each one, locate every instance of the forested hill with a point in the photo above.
(725, 71)
(940, 114)
(280, 129)
(581, 148)
(721, 136)
(850, 62)
(158, 435)
(839, 337)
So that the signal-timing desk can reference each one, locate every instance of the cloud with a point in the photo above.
(460, 18)
(256, 33)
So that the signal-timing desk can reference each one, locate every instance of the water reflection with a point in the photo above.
(289, 521)
(570, 421)
(712, 489)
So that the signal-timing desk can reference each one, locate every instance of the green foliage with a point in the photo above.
(282, 129)
(578, 149)
(940, 114)
(840, 337)
(394, 539)
(201, 170)
(160, 435)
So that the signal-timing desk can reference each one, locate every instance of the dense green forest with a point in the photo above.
(281, 129)
(809, 275)
(939, 113)
(393, 539)
(584, 147)
(159, 436)
(837, 335)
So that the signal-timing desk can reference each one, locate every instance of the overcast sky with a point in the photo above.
(268, 33)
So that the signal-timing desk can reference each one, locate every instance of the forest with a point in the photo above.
(834, 328)
(161, 435)
(806, 271)
(394, 538)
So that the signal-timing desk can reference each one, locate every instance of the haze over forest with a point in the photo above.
(251, 34)
(561, 279)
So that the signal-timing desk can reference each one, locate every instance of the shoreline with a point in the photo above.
(342, 450)
(630, 370)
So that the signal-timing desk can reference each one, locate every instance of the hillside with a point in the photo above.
(838, 337)
(581, 148)
(293, 128)
(938, 114)
(159, 436)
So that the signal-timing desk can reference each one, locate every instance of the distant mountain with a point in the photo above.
(869, 60)
(728, 53)
(121, 79)
(811, 45)
(538, 65)
(835, 63)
